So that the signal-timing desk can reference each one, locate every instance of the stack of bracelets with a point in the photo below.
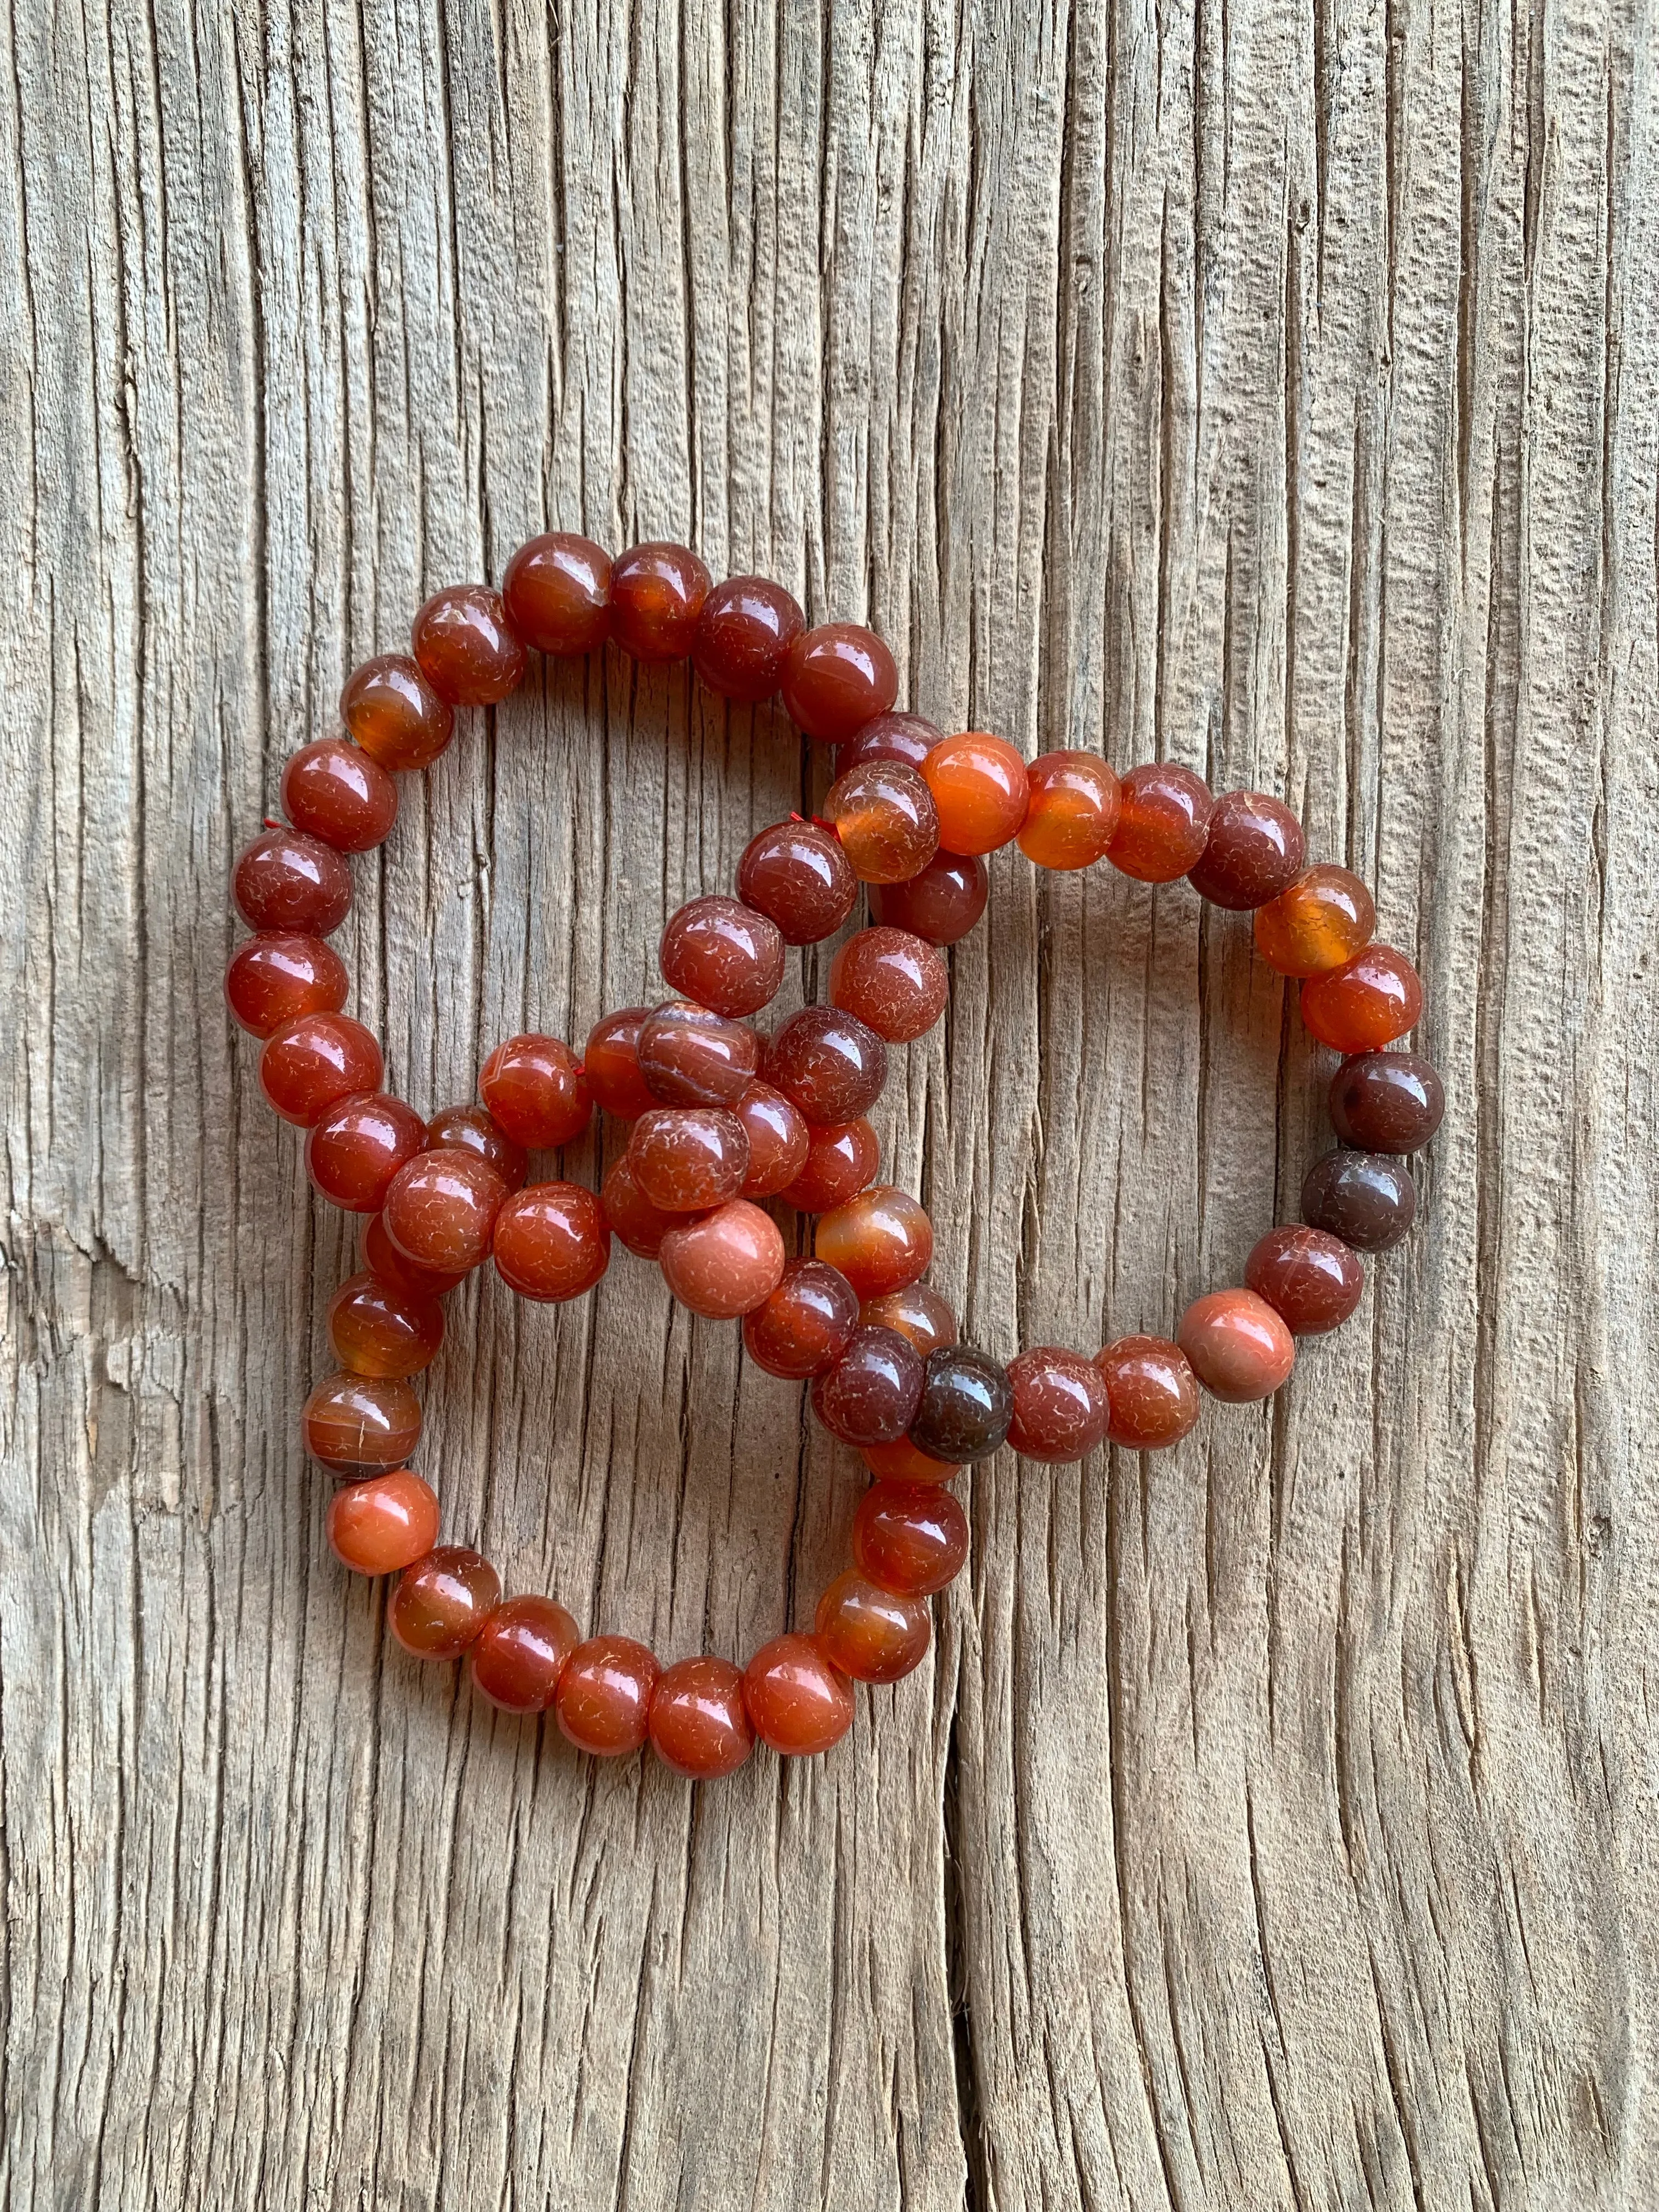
(723, 1118)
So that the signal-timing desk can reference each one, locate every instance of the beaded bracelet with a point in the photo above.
(720, 1122)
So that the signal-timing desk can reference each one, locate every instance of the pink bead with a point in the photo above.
(726, 1263)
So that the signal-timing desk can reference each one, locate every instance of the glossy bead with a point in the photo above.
(378, 1330)
(440, 1210)
(334, 791)
(1386, 1102)
(557, 593)
(1254, 852)
(604, 1697)
(1239, 1348)
(1153, 1391)
(907, 737)
(915, 1311)
(1165, 823)
(315, 1062)
(798, 876)
(383, 1525)
(552, 1242)
(1367, 1198)
(382, 1259)
(743, 636)
(442, 1601)
(354, 1151)
(966, 1408)
(902, 1462)
(686, 1160)
(836, 678)
(274, 978)
(657, 593)
(285, 881)
(700, 1726)
(873, 1634)
(1318, 924)
(870, 1395)
(881, 1240)
(394, 713)
(831, 1064)
(469, 652)
(941, 904)
(841, 1159)
(779, 1140)
(474, 1129)
(722, 955)
(1376, 998)
(1311, 1279)
(980, 790)
(640, 1226)
(520, 1652)
(536, 1092)
(689, 1057)
(910, 1538)
(726, 1263)
(796, 1701)
(1061, 1407)
(612, 1062)
(361, 1424)
(803, 1327)
(894, 981)
(883, 816)
(1072, 814)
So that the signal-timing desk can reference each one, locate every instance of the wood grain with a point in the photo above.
(1274, 388)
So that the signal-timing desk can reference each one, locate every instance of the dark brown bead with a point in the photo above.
(941, 904)
(967, 1403)
(656, 594)
(611, 1060)
(333, 790)
(1386, 1102)
(557, 593)
(474, 1129)
(394, 713)
(1254, 851)
(1311, 1279)
(360, 1424)
(804, 1327)
(904, 738)
(870, 1395)
(275, 977)
(798, 877)
(287, 881)
(469, 652)
(743, 636)
(689, 1057)
(723, 955)
(836, 678)
(830, 1064)
(1367, 1198)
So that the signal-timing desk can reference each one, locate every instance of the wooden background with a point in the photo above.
(1275, 386)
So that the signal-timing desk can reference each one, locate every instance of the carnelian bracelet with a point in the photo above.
(721, 1119)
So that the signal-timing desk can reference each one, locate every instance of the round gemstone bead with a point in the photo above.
(361, 1424)
(1376, 998)
(656, 594)
(722, 955)
(1367, 1198)
(474, 1129)
(870, 1395)
(836, 678)
(1254, 852)
(536, 1092)
(287, 881)
(803, 1327)
(604, 1697)
(520, 1652)
(941, 904)
(552, 1242)
(640, 1225)
(880, 1241)
(1061, 1407)
(902, 1462)
(314, 1063)
(883, 816)
(841, 1159)
(906, 737)
(1153, 1391)
(1072, 814)
(797, 1702)
(832, 1066)
(689, 1057)
(334, 791)
(1311, 1279)
(873, 1634)
(915, 1311)
(798, 876)
(383, 1525)
(699, 1724)
(779, 1140)
(557, 593)
(1386, 1102)
(274, 978)
(726, 1263)
(354, 1150)
(440, 1210)
(743, 637)
(376, 1329)
(1164, 823)
(382, 1259)
(394, 713)
(1238, 1348)
(612, 1060)
(687, 1159)
(896, 982)
(469, 652)
(441, 1603)
(910, 1538)
(967, 1405)
(980, 790)
(1318, 924)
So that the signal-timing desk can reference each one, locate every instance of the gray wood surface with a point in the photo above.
(1275, 388)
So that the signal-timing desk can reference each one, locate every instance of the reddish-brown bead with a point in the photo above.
(333, 791)
(1386, 1102)
(612, 1060)
(902, 1460)
(836, 678)
(442, 1603)
(1361, 1007)
(604, 1697)
(873, 1634)
(725, 1263)
(1324, 918)
(552, 1242)
(440, 1210)
(640, 1226)
(1367, 1198)
(520, 1652)
(967, 1405)
(354, 1151)
(1153, 1391)
(841, 1159)
(906, 737)
(1072, 811)
(796, 1700)
(870, 1395)
(798, 876)
(394, 713)
(1163, 824)
(537, 1091)
(722, 955)
(941, 904)
(831, 1064)
(383, 1525)
(360, 1424)
(883, 813)
(881, 1240)
(779, 1140)
(803, 1327)
(910, 1537)
(287, 881)
(687, 1159)
(894, 981)
(557, 593)
(656, 594)
(1061, 1405)
(313, 1063)
(743, 637)
(469, 652)
(475, 1129)
(980, 791)
(1311, 1279)
(691, 1057)
(699, 1724)
(382, 1259)
(378, 1330)
(275, 978)
(915, 1311)
(1254, 851)
(1239, 1347)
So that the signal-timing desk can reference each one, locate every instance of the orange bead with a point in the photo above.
(1152, 1392)
(316, 1062)
(604, 1697)
(441, 1603)
(884, 815)
(557, 593)
(1376, 998)
(657, 593)
(1239, 1347)
(896, 982)
(902, 1462)
(1163, 824)
(873, 1634)
(394, 713)
(440, 1210)
(382, 1257)
(552, 1242)
(474, 1129)
(611, 1060)
(469, 652)
(779, 1140)
(1320, 923)
(640, 1225)
(836, 678)
(383, 1525)
(910, 1537)
(980, 790)
(881, 1241)
(699, 1724)
(841, 1160)
(360, 1424)
(377, 1330)
(725, 1264)
(353, 1152)
(796, 1700)
(1071, 815)
(520, 1652)
(915, 1311)
(536, 1092)
(274, 978)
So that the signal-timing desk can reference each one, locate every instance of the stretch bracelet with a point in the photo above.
(721, 1119)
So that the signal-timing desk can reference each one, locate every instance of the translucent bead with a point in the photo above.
(378, 1330)
(873, 1634)
(1361, 1007)
(796, 1701)
(1239, 1348)
(1254, 852)
(354, 1150)
(657, 593)
(383, 1525)
(902, 1462)
(841, 1159)
(836, 678)
(1165, 823)
(640, 1225)
(1386, 1102)
(687, 1159)
(474, 1129)
(910, 1538)
(779, 1140)
(557, 593)
(915, 1311)
(286, 881)
(941, 904)
(870, 1395)
(966, 1407)
(314, 1063)
(1318, 924)
(521, 1651)
(1072, 814)
(743, 637)
(722, 955)
(798, 876)
(1311, 1279)
(442, 1603)
(1367, 1198)
(274, 978)
(832, 1066)
(894, 981)
(469, 652)
(604, 1697)
(980, 790)
(552, 1242)
(536, 1092)
(689, 1057)
(881, 1240)
(699, 1724)
(883, 816)
(1061, 1407)
(803, 1327)
(361, 1424)
(725, 1264)
(382, 1259)
(906, 737)
(394, 713)
(1153, 1391)
(440, 1211)
(334, 791)
(611, 1060)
